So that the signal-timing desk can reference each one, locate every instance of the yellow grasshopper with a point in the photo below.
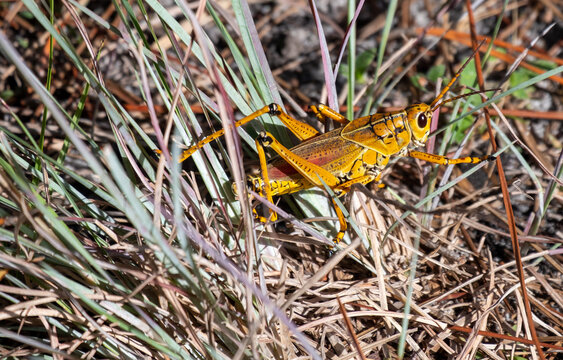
(355, 153)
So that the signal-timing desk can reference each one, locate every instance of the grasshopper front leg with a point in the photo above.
(442, 160)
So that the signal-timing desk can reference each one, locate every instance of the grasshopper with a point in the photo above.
(355, 153)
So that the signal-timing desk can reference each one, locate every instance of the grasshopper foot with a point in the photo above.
(337, 240)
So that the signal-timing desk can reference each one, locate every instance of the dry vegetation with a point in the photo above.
(107, 251)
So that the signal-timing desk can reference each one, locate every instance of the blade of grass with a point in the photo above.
(389, 17)
(255, 52)
(325, 55)
(353, 13)
(261, 69)
(37, 344)
(385, 34)
(47, 85)
(548, 195)
(351, 33)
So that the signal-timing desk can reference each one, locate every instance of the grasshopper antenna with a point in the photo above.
(433, 106)
(462, 96)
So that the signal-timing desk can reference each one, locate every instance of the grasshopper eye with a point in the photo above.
(422, 120)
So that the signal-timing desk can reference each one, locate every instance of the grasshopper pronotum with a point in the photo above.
(355, 153)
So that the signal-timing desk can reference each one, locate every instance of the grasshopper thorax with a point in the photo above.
(419, 117)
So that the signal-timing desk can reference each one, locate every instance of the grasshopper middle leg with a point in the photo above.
(322, 112)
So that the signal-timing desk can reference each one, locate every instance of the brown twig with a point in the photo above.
(351, 330)
(506, 195)
(462, 39)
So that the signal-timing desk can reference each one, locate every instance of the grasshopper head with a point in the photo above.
(419, 117)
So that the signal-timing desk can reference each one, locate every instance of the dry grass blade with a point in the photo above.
(351, 330)
(506, 337)
(329, 78)
(506, 194)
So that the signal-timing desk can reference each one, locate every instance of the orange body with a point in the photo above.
(361, 147)
(353, 154)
